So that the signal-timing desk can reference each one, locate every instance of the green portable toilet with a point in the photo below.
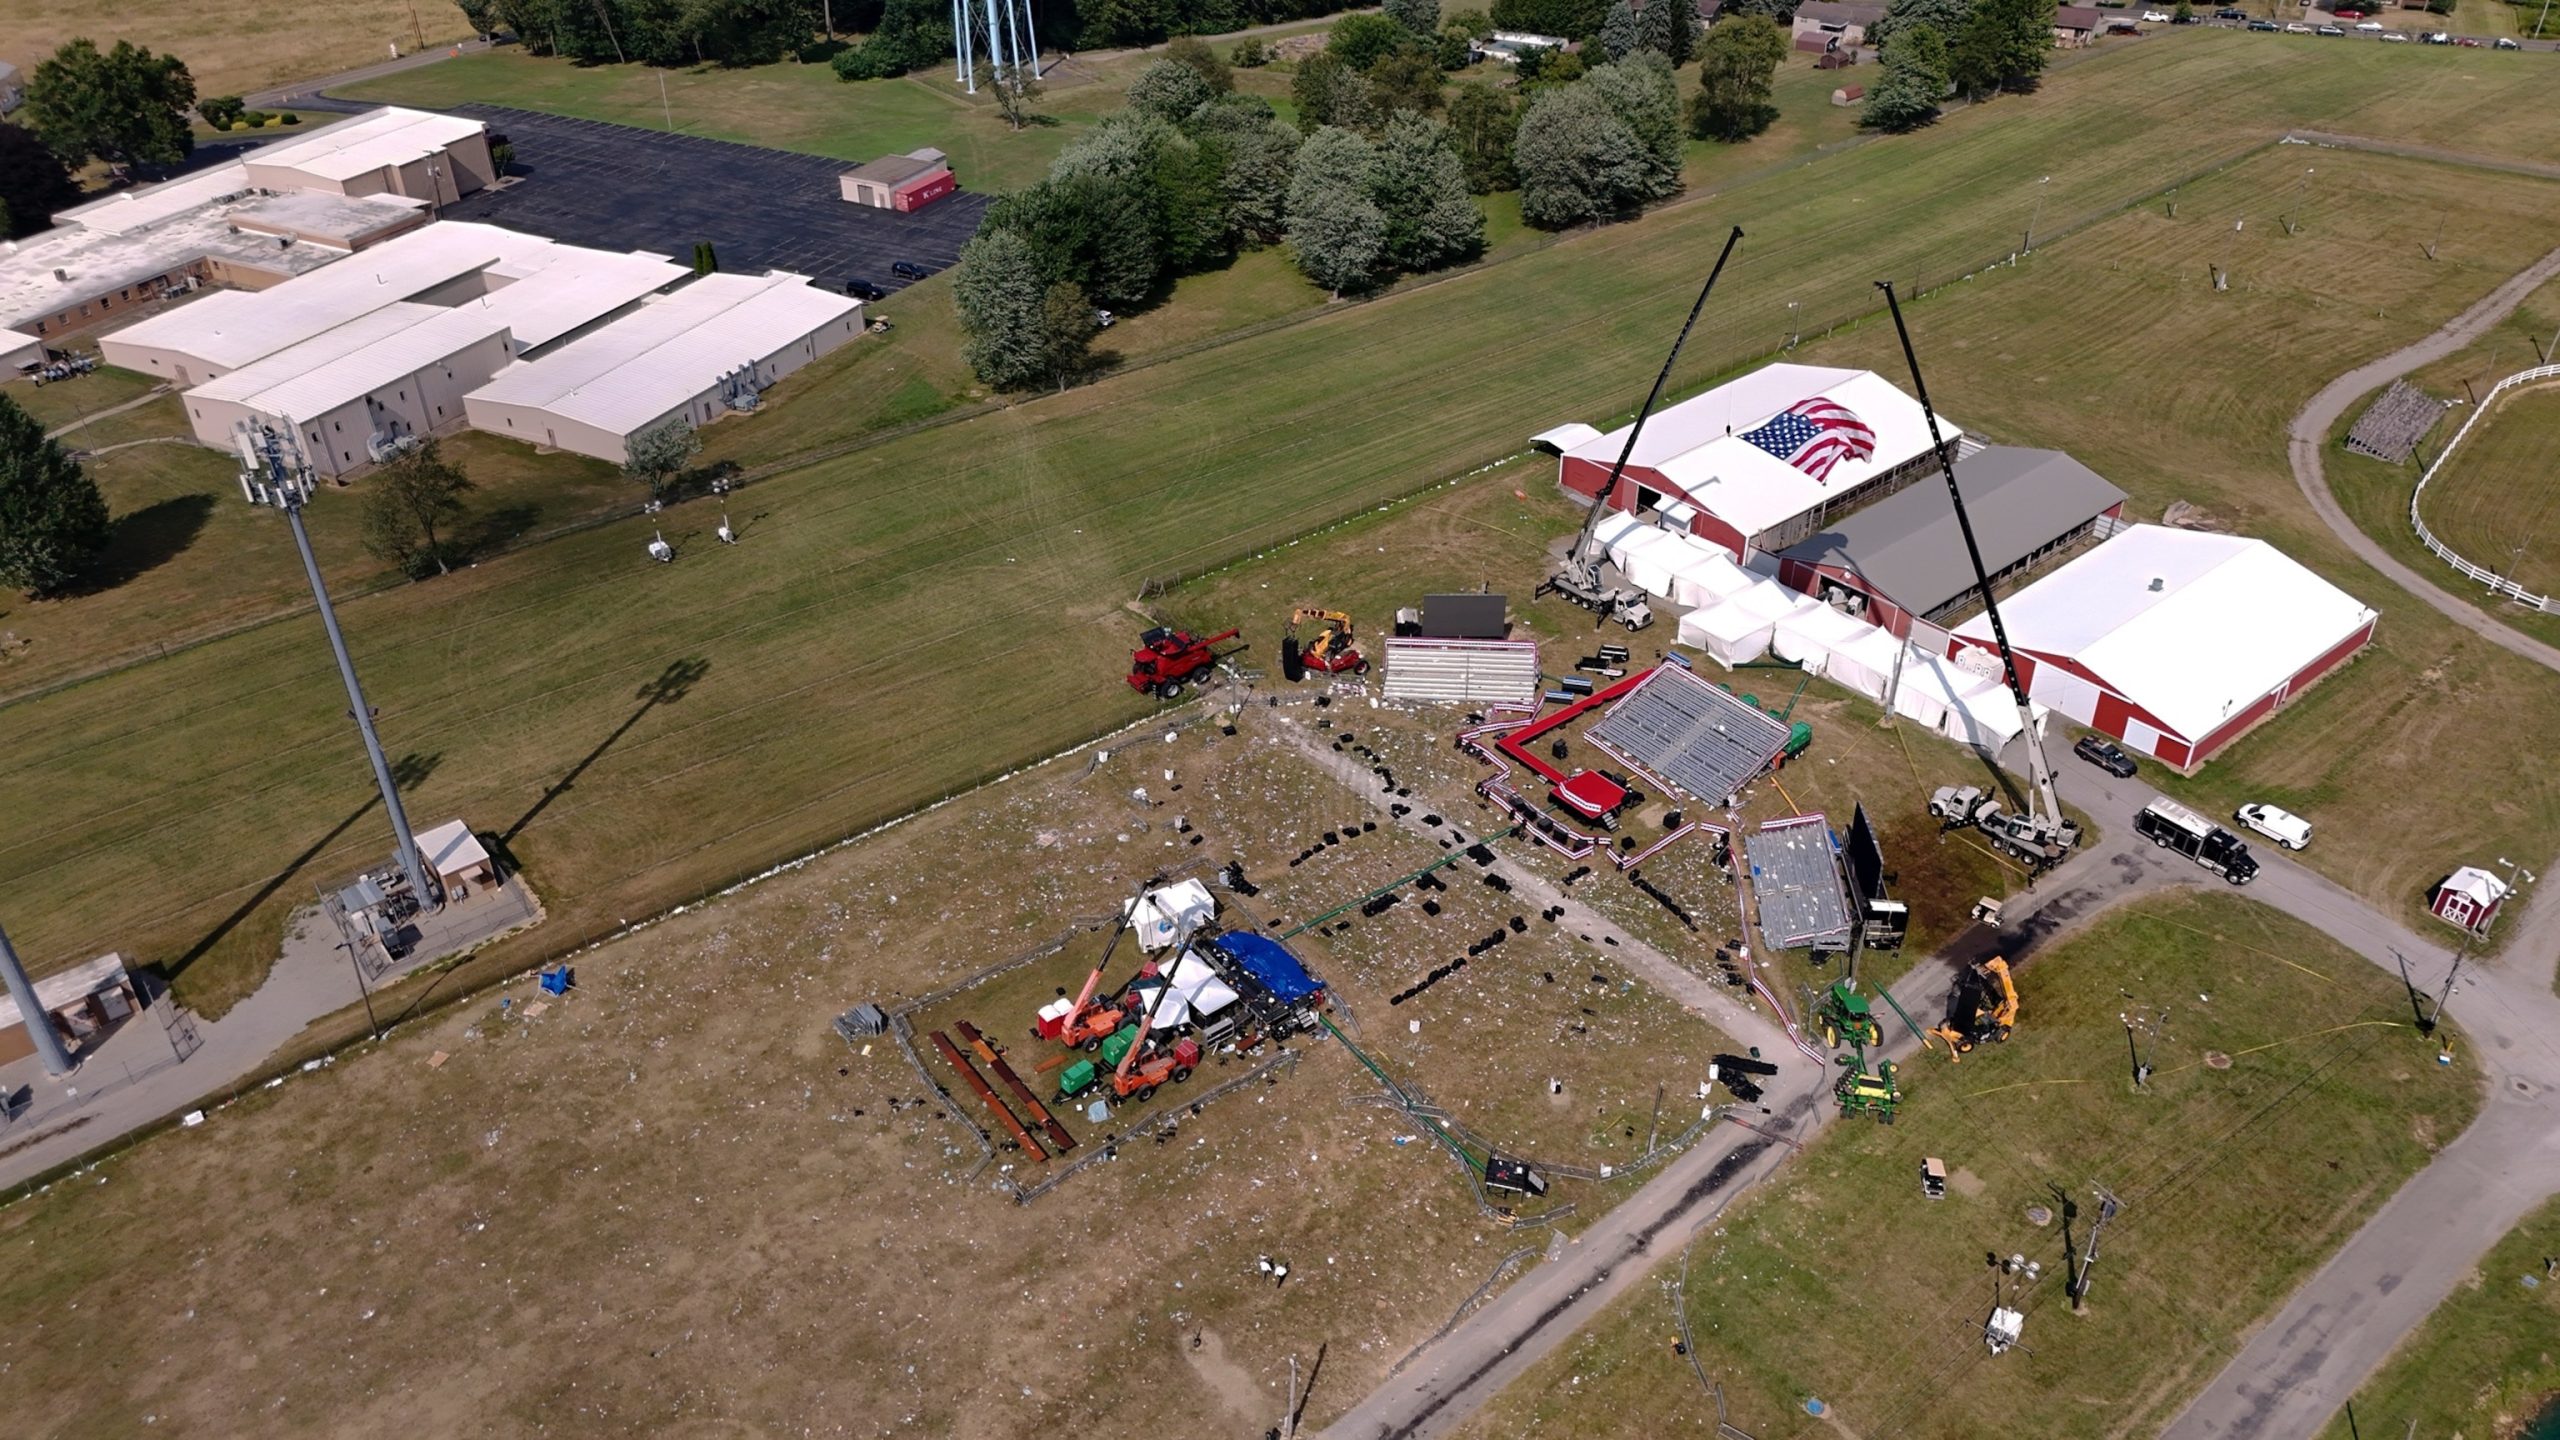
(1751, 700)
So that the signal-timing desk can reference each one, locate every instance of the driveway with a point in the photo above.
(619, 187)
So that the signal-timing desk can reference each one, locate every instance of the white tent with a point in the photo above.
(1197, 994)
(1160, 917)
(1956, 701)
(1647, 557)
(1707, 574)
(1863, 662)
(1736, 630)
(1810, 635)
(1612, 531)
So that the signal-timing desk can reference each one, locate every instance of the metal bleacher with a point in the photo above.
(1691, 735)
(2390, 428)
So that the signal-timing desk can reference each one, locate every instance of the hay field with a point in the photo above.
(239, 48)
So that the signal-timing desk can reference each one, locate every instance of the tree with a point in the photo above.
(1474, 24)
(1251, 54)
(1483, 123)
(222, 111)
(1782, 11)
(125, 106)
(33, 183)
(1003, 305)
(1642, 92)
(1168, 90)
(52, 518)
(1737, 73)
(705, 260)
(1619, 34)
(1067, 328)
(1421, 17)
(1194, 52)
(1669, 28)
(1336, 231)
(407, 502)
(2185, 14)
(1577, 160)
(1327, 91)
(1259, 153)
(1361, 39)
(1409, 79)
(1944, 16)
(1915, 80)
(1572, 19)
(1421, 193)
(1014, 87)
(656, 456)
(1978, 58)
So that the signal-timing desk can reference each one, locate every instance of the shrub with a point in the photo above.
(1251, 54)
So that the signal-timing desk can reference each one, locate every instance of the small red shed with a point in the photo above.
(2468, 899)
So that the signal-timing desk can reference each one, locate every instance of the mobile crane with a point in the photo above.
(2042, 836)
(1578, 578)
(1081, 1024)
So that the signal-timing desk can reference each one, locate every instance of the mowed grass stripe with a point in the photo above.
(515, 671)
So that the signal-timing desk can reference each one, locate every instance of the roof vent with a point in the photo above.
(2158, 584)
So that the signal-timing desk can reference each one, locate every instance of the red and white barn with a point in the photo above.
(2468, 898)
(1694, 472)
(2175, 642)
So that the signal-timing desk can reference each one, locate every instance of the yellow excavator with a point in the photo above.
(1329, 653)
(1984, 1008)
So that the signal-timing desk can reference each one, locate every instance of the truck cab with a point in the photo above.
(2173, 826)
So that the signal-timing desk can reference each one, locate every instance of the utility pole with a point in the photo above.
(2029, 243)
(57, 1061)
(268, 478)
(2107, 1207)
(2141, 1072)
(666, 106)
(418, 26)
(2436, 1016)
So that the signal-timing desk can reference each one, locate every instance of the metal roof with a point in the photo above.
(231, 328)
(1795, 884)
(1908, 545)
(389, 136)
(65, 987)
(1697, 445)
(653, 361)
(2193, 627)
(1690, 735)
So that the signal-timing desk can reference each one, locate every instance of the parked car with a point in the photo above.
(2282, 826)
(2172, 826)
(2369, 27)
(2264, 25)
(2396, 37)
(2466, 42)
(1104, 319)
(2329, 30)
(2438, 38)
(2349, 14)
(2155, 17)
(910, 270)
(2230, 12)
(2106, 755)
(2507, 42)
(2296, 27)
(861, 289)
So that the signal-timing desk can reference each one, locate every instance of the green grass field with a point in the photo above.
(2484, 1363)
(2497, 503)
(980, 570)
(1844, 1284)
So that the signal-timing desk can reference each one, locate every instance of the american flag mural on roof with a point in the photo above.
(1814, 435)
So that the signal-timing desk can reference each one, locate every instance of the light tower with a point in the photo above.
(1004, 28)
(273, 473)
(57, 1061)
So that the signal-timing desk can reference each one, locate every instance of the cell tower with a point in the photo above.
(997, 31)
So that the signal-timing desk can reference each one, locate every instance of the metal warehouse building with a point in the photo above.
(695, 355)
(1695, 472)
(2175, 642)
(1904, 557)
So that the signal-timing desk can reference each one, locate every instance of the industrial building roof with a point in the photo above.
(388, 136)
(892, 169)
(2193, 627)
(1697, 444)
(402, 338)
(1909, 547)
(95, 264)
(652, 361)
(342, 222)
(231, 328)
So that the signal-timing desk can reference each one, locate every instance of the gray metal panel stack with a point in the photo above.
(1691, 735)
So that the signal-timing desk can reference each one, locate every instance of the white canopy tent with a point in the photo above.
(1810, 635)
(1957, 702)
(1162, 916)
(1196, 994)
(1864, 662)
(1707, 575)
(1736, 630)
(1647, 557)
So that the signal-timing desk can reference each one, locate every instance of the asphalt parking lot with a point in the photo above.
(618, 187)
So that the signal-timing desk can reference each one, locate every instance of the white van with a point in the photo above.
(2282, 826)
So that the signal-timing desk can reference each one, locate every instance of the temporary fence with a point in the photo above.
(2481, 574)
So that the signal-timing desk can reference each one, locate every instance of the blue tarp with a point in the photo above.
(1263, 958)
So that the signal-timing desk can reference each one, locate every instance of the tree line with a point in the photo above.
(1935, 49)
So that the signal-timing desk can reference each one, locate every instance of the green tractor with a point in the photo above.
(1845, 1015)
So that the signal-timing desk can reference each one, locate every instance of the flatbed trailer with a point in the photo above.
(978, 1083)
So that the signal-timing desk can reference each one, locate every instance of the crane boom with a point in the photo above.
(2047, 814)
(1581, 578)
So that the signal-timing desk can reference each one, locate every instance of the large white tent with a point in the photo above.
(1163, 916)
(1966, 707)
(1196, 993)
(1736, 630)
(1708, 575)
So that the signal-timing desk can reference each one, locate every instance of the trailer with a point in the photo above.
(2173, 826)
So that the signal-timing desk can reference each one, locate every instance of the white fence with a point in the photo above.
(2498, 584)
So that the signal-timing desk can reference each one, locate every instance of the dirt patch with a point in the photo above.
(1233, 1386)
(1967, 1184)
